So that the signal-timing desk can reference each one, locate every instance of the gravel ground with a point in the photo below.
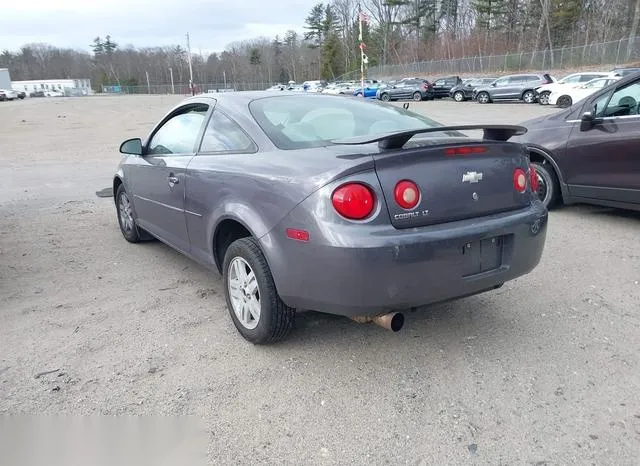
(545, 370)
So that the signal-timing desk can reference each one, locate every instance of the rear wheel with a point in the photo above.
(417, 96)
(359, 94)
(543, 99)
(458, 96)
(256, 310)
(548, 186)
(385, 97)
(483, 98)
(529, 97)
(564, 101)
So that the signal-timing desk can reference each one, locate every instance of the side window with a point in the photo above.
(575, 79)
(178, 135)
(502, 81)
(600, 103)
(439, 82)
(223, 134)
(516, 79)
(624, 101)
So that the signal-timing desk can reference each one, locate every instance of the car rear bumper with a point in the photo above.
(399, 269)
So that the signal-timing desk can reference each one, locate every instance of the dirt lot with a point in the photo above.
(545, 370)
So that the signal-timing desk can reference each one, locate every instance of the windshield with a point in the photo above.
(298, 122)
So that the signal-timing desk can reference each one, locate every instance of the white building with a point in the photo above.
(71, 87)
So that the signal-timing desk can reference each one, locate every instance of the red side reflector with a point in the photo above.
(300, 235)
(465, 150)
(534, 178)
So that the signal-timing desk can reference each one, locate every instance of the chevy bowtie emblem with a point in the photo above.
(471, 177)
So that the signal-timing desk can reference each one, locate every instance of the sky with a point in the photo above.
(211, 24)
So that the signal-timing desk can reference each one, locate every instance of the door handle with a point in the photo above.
(173, 180)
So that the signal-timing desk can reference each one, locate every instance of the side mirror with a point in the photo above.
(131, 146)
(587, 121)
(493, 84)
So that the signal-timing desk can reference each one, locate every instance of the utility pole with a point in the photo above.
(173, 89)
(148, 84)
(190, 66)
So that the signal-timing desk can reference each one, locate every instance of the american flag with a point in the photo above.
(363, 17)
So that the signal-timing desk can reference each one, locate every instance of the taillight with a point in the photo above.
(406, 194)
(465, 150)
(519, 180)
(533, 178)
(425, 87)
(354, 201)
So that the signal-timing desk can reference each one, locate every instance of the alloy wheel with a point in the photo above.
(244, 293)
(544, 98)
(126, 214)
(458, 97)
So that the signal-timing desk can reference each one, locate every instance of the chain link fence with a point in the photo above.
(605, 54)
(183, 89)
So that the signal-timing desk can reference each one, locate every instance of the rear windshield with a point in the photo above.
(298, 122)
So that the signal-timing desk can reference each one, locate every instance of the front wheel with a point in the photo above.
(256, 310)
(483, 98)
(359, 94)
(543, 99)
(458, 96)
(529, 97)
(417, 97)
(126, 217)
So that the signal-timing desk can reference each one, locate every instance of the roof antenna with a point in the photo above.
(405, 105)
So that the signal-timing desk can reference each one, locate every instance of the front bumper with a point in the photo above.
(389, 269)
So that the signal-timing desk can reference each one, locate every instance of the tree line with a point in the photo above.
(397, 32)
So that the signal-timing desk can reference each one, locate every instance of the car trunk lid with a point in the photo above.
(456, 181)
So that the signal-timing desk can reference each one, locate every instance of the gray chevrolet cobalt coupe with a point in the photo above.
(334, 204)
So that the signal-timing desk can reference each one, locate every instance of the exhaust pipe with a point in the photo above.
(392, 321)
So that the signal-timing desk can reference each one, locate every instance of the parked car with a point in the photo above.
(9, 94)
(21, 94)
(369, 90)
(588, 153)
(415, 89)
(513, 87)
(464, 90)
(36, 94)
(566, 96)
(543, 92)
(345, 206)
(622, 72)
(442, 86)
(3, 96)
(339, 89)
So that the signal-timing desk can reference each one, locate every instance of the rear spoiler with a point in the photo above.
(398, 139)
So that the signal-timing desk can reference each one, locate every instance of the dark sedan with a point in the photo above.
(415, 89)
(588, 153)
(464, 90)
(341, 205)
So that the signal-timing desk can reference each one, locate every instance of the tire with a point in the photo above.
(128, 226)
(359, 94)
(417, 97)
(529, 97)
(275, 319)
(564, 101)
(385, 97)
(458, 96)
(483, 98)
(548, 186)
(543, 99)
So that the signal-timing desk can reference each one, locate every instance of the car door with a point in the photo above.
(500, 88)
(440, 88)
(604, 158)
(158, 176)
(219, 168)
